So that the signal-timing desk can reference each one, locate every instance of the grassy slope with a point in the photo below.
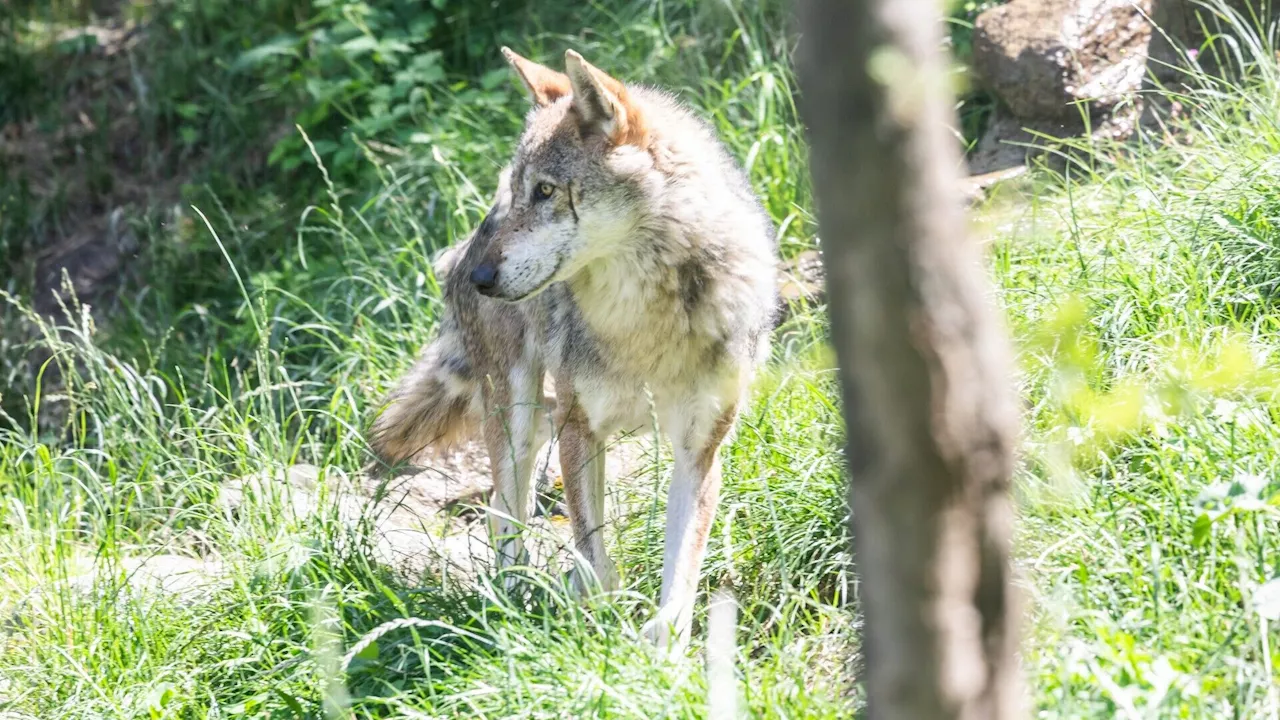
(1140, 293)
(1143, 294)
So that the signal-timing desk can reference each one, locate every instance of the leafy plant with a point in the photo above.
(368, 71)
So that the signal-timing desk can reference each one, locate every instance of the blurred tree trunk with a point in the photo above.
(924, 364)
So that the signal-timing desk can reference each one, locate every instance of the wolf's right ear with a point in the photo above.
(544, 84)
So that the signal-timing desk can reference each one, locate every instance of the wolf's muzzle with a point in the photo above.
(485, 278)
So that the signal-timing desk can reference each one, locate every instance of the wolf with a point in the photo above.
(625, 258)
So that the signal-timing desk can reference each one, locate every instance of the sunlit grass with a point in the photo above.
(1139, 289)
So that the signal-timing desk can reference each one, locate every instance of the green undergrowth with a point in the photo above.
(271, 334)
(1139, 288)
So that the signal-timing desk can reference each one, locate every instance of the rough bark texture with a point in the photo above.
(924, 366)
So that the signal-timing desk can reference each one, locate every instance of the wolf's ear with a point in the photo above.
(545, 85)
(603, 104)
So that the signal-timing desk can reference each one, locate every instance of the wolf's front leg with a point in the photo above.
(511, 436)
(691, 506)
(582, 456)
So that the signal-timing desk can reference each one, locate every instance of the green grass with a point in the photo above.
(1140, 289)
(1144, 294)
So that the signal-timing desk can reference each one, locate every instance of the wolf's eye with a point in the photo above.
(543, 190)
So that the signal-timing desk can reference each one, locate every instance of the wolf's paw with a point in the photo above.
(662, 635)
(658, 632)
(665, 633)
(609, 580)
(586, 580)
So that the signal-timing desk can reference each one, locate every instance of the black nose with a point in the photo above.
(485, 277)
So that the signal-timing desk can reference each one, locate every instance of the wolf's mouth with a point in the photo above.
(551, 279)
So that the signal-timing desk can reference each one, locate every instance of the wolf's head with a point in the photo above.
(579, 179)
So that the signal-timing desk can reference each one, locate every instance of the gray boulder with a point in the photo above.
(1043, 58)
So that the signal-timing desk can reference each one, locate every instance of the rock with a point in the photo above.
(401, 524)
(1009, 142)
(975, 187)
(146, 576)
(421, 521)
(802, 279)
(1199, 34)
(138, 579)
(1184, 24)
(177, 575)
(74, 279)
(1042, 57)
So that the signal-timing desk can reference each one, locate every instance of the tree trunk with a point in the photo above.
(924, 365)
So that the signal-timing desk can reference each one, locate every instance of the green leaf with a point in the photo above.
(248, 706)
(370, 652)
(1201, 529)
(394, 47)
(294, 706)
(281, 149)
(158, 698)
(494, 78)
(324, 147)
(360, 45)
(422, 27)
(280, 45)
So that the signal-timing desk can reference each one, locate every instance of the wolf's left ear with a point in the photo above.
(544, 84)
(603, 104)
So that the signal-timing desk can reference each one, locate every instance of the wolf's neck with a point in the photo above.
(635, 293)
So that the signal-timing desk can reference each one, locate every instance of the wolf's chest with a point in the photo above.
(646, 340)
(613, 353)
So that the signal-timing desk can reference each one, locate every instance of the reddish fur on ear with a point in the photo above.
(621, 117)
(544, 84)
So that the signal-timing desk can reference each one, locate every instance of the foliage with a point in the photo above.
(277, 307)
(368, 70)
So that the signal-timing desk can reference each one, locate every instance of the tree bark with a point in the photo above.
(924, 365)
